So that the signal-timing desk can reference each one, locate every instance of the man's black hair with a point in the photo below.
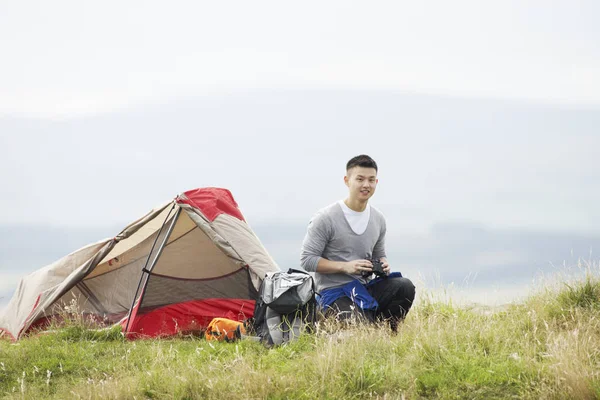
(361, 161)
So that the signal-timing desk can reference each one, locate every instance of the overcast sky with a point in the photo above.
(479, 114)
(74, 57)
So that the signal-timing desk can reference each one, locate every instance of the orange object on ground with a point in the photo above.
(224, 329)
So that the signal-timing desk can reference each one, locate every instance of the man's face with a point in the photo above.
(361, 182)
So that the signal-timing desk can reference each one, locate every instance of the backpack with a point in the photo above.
(285, 308)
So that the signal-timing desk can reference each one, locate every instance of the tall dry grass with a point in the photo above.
(545, 347)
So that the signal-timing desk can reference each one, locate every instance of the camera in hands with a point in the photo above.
(377, 269)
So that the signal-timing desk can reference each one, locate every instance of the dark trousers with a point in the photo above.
(394, 295)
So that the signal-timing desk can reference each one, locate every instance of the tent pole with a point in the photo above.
(146, 264)
(164, 242)
(158, 254)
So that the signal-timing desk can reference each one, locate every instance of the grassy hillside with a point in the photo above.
(546, 347)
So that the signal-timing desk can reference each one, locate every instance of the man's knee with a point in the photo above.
(404, 288)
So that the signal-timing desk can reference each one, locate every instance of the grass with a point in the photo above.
(545, 347)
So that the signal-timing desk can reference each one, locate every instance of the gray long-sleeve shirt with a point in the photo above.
(330, 236)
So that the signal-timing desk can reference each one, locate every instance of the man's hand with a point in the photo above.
(385, 265)
(357, 267)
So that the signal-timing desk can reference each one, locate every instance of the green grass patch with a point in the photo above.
(546, 347)
(585, 294)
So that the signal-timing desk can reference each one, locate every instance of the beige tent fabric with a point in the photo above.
(45, 281)
(141, 222)
(240, 236)
(205, 226)
(39, 290)
(194, 256)
(127, 251)
(236, 239)
(49, 297)
(113, 292)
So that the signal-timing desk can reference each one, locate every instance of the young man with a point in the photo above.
(341, 242)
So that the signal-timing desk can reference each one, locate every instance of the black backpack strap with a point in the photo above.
(292, 270)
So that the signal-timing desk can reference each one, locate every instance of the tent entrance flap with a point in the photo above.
(145, 271)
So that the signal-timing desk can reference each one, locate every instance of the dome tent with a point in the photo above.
(174, 269)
